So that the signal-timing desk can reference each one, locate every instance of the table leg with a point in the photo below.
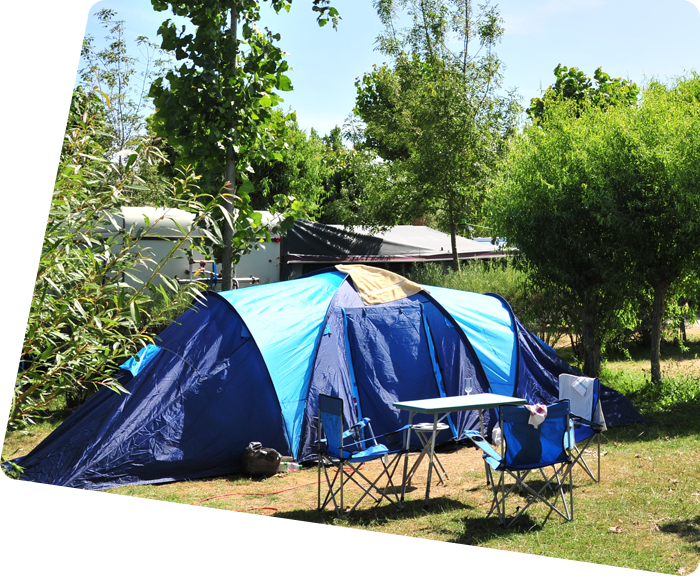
(481, 427)
(430, 463)
(405, 460)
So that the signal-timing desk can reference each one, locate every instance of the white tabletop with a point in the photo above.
(458, 403)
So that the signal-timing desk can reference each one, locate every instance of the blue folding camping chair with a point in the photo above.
(583, 394)
(346, 451)
(524, 449)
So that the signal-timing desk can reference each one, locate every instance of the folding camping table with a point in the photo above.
(445, 406)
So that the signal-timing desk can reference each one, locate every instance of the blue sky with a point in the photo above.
(636, 39)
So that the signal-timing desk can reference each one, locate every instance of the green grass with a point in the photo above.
(649, 492)
(644, 514)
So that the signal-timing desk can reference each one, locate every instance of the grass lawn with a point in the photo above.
(644, 514)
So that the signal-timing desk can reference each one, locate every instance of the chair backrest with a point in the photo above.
(330, 413)
(528, 447)
(582, 392)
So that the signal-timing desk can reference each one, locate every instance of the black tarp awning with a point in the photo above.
(311, 242)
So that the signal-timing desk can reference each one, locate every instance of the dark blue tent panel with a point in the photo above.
(249, 365)
(539, 380)
(189, 413)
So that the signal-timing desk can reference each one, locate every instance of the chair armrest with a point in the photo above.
(352, 430)
(388, 435)
(582, 421)
(483, 445)
(373, 439)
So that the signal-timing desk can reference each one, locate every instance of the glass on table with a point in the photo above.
(468, 385)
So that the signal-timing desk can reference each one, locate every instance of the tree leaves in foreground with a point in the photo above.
(603, 204)
(89, 310)
(216, 108)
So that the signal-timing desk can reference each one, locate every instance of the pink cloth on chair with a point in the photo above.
(538, 412)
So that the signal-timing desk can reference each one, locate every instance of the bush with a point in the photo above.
(679, 387)
(541, 313)
(84, 318)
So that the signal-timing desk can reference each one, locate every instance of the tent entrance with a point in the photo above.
(390, 354)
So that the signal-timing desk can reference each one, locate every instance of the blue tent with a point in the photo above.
(248, 365)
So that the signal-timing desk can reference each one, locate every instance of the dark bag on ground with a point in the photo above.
(259, 461)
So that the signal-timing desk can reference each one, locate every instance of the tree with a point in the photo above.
(574, 85)
(546, 207)
(84, 318)
(123, 79)
(216, 109)
(122, 74)
(603, 203)
(435, 114)
(302, 173)
(657, 205)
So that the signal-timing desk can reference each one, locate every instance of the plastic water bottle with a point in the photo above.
(294, 467)
(496, 436)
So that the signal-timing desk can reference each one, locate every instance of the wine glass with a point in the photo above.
(468, 385)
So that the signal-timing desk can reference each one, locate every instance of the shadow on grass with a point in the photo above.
(479, 531)
(688, 530)
(377, 515)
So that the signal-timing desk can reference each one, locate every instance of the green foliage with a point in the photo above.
(359, 193)
(679, 388)
(602, 204)
(547, 206)
(122, 78)
(434, 115)
(302, 173)
(220, 95)
(217, 108)
(85, 318)
(479, 276)
(574, 85)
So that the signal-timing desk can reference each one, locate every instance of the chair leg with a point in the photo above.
(332, 490)
(499, 501)
(318, 482)
(342, 489)
(372, 486)
(578, 458)
(571, 488)
(558, 475)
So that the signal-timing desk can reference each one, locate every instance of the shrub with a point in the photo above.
(84, 318)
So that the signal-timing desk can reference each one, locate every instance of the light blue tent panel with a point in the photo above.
(286, 320)
(489, 327)
(138, 362)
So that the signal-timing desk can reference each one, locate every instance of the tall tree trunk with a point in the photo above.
(657, 318)
(592, 354)
(467, 21)
(453, 238)
(428, 39)
(684, 335)
(227, 252)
